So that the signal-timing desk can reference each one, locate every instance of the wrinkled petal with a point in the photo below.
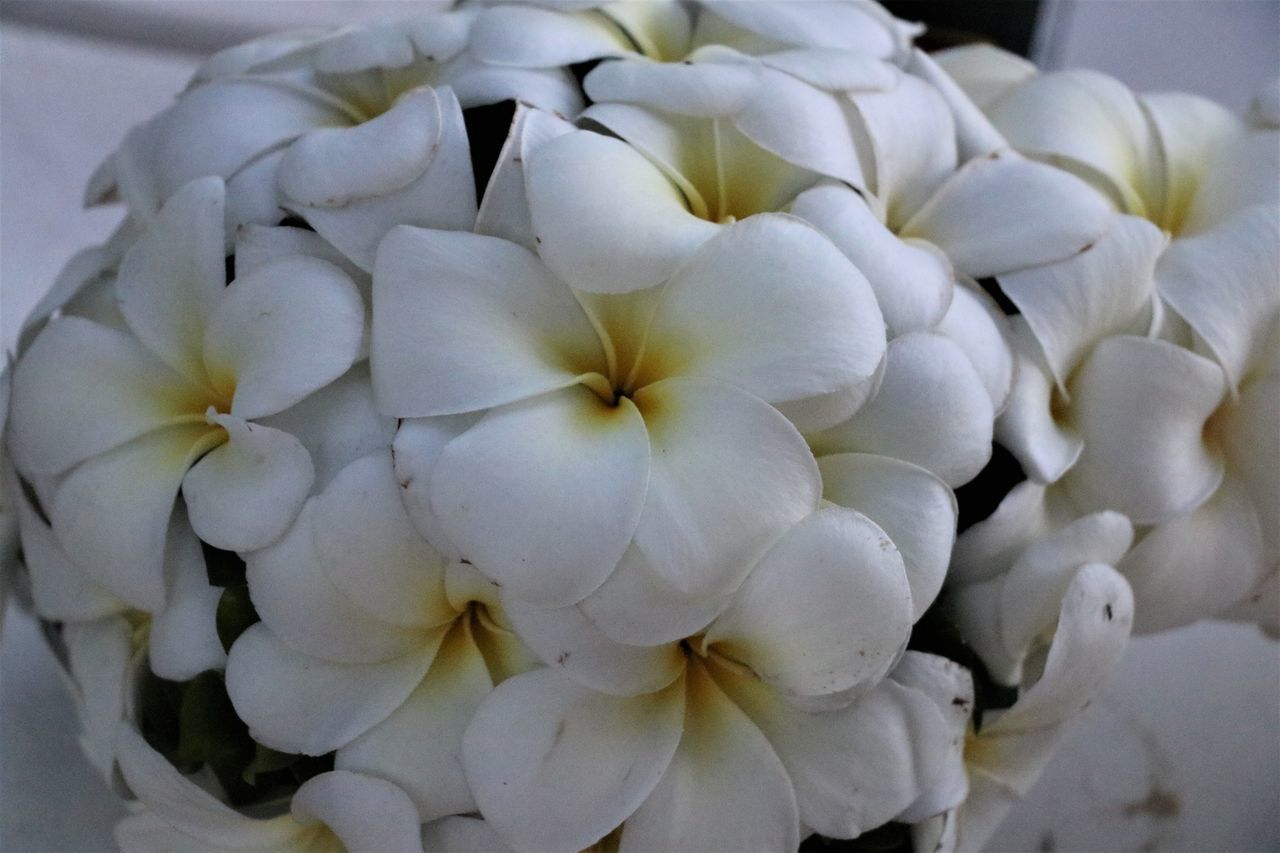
(728, 475)
(365, 812)
(930, 386)
(554, 766)
(914, 507)
(827, 608)
(244, 494)
(990, 216)
(544, 496)
(184, 637)
(1141, 407)
(462, 322)
(296, 703)
(744, 799)
(371, 552)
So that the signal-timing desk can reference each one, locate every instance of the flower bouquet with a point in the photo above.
(641, 426)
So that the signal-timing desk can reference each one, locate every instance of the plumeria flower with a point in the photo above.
(130, 418)
(777, 713)
(334, 811)
(1071, 639)
(371, 643)
(587, 422)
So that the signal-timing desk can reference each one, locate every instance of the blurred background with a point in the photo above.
(1180, 752)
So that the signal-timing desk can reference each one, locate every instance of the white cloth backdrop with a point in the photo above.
(1180, 752)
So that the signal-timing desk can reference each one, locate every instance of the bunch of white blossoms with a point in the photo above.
(537, 426)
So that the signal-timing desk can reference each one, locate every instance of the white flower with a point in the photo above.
(592, 421)
(130, 417)
(371, 643)
(777, 713)
(333, 811)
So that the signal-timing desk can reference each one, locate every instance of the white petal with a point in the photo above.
(950, 686)
(854, 768)
(331, 167)
(462, 322)
(987, 549)
(848, 26)
(297, 703)
(419, 747)
(544, 496)
(282, 331)
(544, 38)
(371, 552)
(554, 766)
(1197, 565)
(834, 69)
(986, 72)
(1189, 131)
(976, 136)
(253, 197)
(172, 278)
(1249, 432)
(605, 219)
(257, 245)
(111, 515)
(101, 661)
(366, 813)
(564, 638)
(415, 452)
(914, 507)
(83, 389)
(728, 475)
(725, 788)
(186, 806)
(1104, 290)
(244, 494)
(1244, 171)
(637, 607)
(337, 424)
(912, 279)
(932, 410)
(295, 598)
(1141, 407)
(462, 835)
(443, 196)
(826, 609)
(184, 637)
(769, 305)
(479, 84)
(504, 210)
(975, 322)
(705, 89)
(1226, 283)
(1029, 428)
(989, 216)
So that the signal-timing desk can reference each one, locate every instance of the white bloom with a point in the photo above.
(334, 811)
(777, 713)
(371, 643)
(130, 417)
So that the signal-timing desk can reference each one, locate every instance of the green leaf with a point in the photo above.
(224, 568)
(267, 760)
(235, 614)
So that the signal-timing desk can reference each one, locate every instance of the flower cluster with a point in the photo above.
(538, 426)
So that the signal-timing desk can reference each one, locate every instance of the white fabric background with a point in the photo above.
(1180, 752)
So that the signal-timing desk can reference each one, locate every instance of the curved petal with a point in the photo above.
(635, 606)
(111, 514)
(171, 279)
(771, 306)
(462, 835)
(945, 70)
(1244, 171)
(554, 766)
(975, 322)
(1225, 283)
(331, 167)
(370, 551)
(989, 216)
(987, 549)
(605, 219)
(82, 389)
(861, 28)
(463, 322)
(365, 812)
(984, 71)
(101, 662)
(419, 747)
(932, 410)
(415, 452)
(745, 800)
(728, 475)
(282, 331)
(1196, 566)
(1104, 290)
(527, 36)
(563, 637)
(827, 608)
(853, 768)
(297, 703)
(1249, 432)
(300, 604)
(914, 507)
(244, 494)
(1189, 132)
(912, 280)
(834, 69)
(692, 88)
(504, 210)
(479, 84)
(950, 686)
(1141, 407)
(544, 496)
(1046, 446)
(183, 640)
